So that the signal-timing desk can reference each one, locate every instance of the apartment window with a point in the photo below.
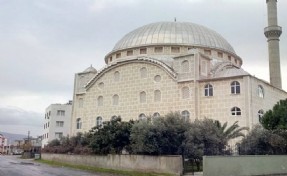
(143, 51)
(143, 72)
(58, 135)
(158, 49)
(142, 116)
(115, 100)
(130, 52)
(60, 113)
(100, 101)
(235, 87)
(143, 97)
(118, 55)
(81, 102)
(185, 92)
(79, 123)
(260, 91)
(59, 123)
(208, 90)
(235, 111)
(185, 66)
(260, 115)
(99, 121)
(157, 95)
(175, 49)
(185, 115)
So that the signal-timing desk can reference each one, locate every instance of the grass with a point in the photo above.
(101, 170)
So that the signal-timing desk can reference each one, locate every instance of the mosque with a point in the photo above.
(177, 66)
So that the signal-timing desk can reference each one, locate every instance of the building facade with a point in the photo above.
(57, 122)
(171, 66)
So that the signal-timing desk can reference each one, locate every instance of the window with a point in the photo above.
(117, 76)
(60, 113)
(158, 49)
(157, 78)
(115, 100)
(260, 115)
(235, 111)
(260, 91)
(185, 115)
(142, 116)
(207, 52)
(208, 90)
(100, 101)
(58, 135)
(235, 87)
(157, 95)
(99, 121)
(101, 85)
(118, 55)
(143, 72)
(185, 66)
(185, 92)
(142, 97)
(59, 123)
(130, 52)
(80, 102)
(143, 51)
(220, 54)
(79, 123)
(156, 115)
(175, 49)
(114, 117)
(111, 58)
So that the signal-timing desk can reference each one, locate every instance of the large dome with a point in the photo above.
(173, 33)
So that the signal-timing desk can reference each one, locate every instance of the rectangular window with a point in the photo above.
(219, 54)
(111, 58)
(59, 123)
(60, 113)
(118, 55)
(130, 53)
(158, 49)
(207, 52)
(175, 49)
(58, 135)
(143, 51)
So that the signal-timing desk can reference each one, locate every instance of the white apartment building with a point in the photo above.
(57, 122)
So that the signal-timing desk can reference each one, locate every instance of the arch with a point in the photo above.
(142, 116)
(185, 66)
(260, 114)
(100, 101)
(79, 123)
(185, 115)
(185, 92)
(157, 95)
(143, 72)
(99, 121)
(235, 87)
(116, 76)
(157, 78)
(142, 97)
(235, 111)
(260, 91)
(115, 99)
(208, 90)
(156, 115)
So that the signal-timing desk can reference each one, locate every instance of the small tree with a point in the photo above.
(277, 117)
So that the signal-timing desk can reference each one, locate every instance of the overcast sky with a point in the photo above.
(43, 43)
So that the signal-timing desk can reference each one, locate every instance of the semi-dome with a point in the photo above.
(173, 33)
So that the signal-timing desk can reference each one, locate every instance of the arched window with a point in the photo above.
(157, 78)
(185, 92)
(260, 115)
(81, 102)
(235, 111)
(100, 101)
(142, 116)
(157, 95)
(117, 76)
(101, 85)
(115, 100)
(185, 66)
(235, 87)
(185, 115)
(156, 115)
(99, 121)
(79, 123)
(143, 72)
(208, 90)
(143, 97)
(260, 91)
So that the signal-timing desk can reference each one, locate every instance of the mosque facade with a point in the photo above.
(171, 66)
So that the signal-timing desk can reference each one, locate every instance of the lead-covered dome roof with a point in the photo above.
(173, 33)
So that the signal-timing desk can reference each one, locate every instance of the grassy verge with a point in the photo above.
(101, 170)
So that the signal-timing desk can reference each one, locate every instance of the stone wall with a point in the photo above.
(244, 165)
(160, 164)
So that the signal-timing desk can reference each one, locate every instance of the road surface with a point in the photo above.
(14, 166)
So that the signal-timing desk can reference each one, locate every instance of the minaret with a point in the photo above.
(272, 33)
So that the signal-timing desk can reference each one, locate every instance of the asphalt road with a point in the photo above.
(14, 166)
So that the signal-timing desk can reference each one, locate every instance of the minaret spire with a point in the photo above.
(272, 33)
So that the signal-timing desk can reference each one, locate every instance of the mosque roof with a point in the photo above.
(90, 69)
(173, 33)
